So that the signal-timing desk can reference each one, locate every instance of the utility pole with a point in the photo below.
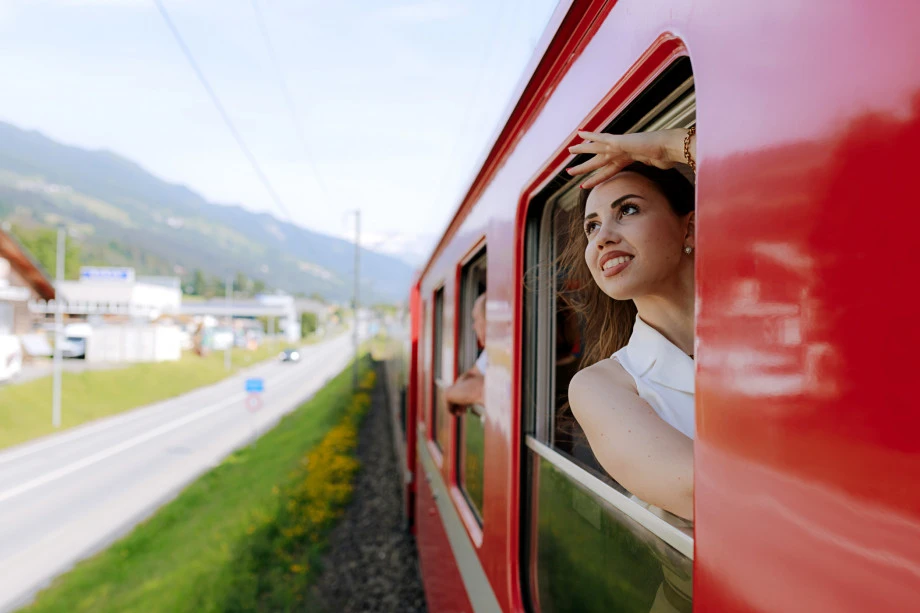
(58, 329)
(227, 289)
(355, 340)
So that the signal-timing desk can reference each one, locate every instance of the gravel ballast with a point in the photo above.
(371, 564)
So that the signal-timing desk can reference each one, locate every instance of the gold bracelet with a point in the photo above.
(687, 138)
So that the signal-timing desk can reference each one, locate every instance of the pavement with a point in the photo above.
(69, 495)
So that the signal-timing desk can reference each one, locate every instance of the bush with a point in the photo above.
(275, 566)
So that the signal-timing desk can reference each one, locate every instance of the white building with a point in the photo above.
(118, 291)
(21, 280)
(134, 343)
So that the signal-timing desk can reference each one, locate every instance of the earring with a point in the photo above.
(688, 249)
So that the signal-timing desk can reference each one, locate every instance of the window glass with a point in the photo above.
(589, 544)
(471, 423)
(590, 556)
(425, 377)
(439, 408)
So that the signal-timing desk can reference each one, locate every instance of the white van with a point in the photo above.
(75, 338)
(10, 357)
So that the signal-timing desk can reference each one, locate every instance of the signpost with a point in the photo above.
(58, 330)
(254, 388)
(106, 273)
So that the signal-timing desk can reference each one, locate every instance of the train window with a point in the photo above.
(471, 431)
(424, 348)
(439, 421)
(588, 544)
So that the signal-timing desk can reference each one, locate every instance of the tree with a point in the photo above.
(41, 244)
(263, 319)
(216, 287)
(199, 283)
(241, 283)
(258, 286)
(308, 323)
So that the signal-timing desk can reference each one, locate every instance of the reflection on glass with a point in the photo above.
(471, 463)
(442, 419)
(590, 556)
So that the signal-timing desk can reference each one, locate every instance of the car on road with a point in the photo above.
(289, 355)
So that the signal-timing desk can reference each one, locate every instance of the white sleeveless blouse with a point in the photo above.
(663, 374)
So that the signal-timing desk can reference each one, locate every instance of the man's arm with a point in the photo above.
(467, 389)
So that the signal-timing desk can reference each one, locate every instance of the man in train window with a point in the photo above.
(469, 388)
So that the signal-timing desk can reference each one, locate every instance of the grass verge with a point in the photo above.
(25, 409)
(244, 537)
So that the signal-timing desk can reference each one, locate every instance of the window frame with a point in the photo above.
(466, 339)
(661, 103)
(437, 383)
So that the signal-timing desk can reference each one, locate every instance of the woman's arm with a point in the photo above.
(614, 152)
(635, 446)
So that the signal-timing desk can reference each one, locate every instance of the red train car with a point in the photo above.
(807, 453)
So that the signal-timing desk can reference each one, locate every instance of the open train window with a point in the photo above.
(439, 421)
(588, 544)
(471, 423)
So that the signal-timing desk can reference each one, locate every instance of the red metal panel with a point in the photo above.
(444, 590)
(808, 456)
(413, 415)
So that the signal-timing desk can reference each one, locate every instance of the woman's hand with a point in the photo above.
(614, 152)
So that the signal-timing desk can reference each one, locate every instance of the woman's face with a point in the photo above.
(635, 240)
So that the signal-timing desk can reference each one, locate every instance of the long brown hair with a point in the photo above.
(608, 323)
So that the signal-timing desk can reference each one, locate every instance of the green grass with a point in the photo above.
(25, 409)
(184, 557)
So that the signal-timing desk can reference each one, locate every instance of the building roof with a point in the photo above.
(22, 263)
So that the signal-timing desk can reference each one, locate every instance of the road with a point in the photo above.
(67, 496)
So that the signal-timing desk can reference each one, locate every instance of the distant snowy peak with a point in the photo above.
(413, 249)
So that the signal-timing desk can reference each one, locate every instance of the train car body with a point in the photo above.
(807, 453)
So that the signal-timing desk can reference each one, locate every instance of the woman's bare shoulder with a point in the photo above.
(604, 379)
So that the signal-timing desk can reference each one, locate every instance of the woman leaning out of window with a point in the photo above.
(631, 250)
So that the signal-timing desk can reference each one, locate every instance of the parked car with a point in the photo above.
(75, 339)
(73, 347)
(289, 355)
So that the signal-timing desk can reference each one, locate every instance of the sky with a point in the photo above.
(382, 106)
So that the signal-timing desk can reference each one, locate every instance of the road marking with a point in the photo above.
(123, 446)
(128, 444)
(107, 423)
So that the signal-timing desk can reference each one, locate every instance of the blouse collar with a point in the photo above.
(659, 359)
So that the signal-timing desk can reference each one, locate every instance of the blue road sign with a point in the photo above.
(255, 385)
(106, 273)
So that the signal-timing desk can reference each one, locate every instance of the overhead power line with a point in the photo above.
(288, 99)
(223, 112)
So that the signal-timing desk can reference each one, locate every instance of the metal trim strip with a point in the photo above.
(657, 526)
(477, 585)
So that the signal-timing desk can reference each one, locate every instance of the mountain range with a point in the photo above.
(123, 215)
